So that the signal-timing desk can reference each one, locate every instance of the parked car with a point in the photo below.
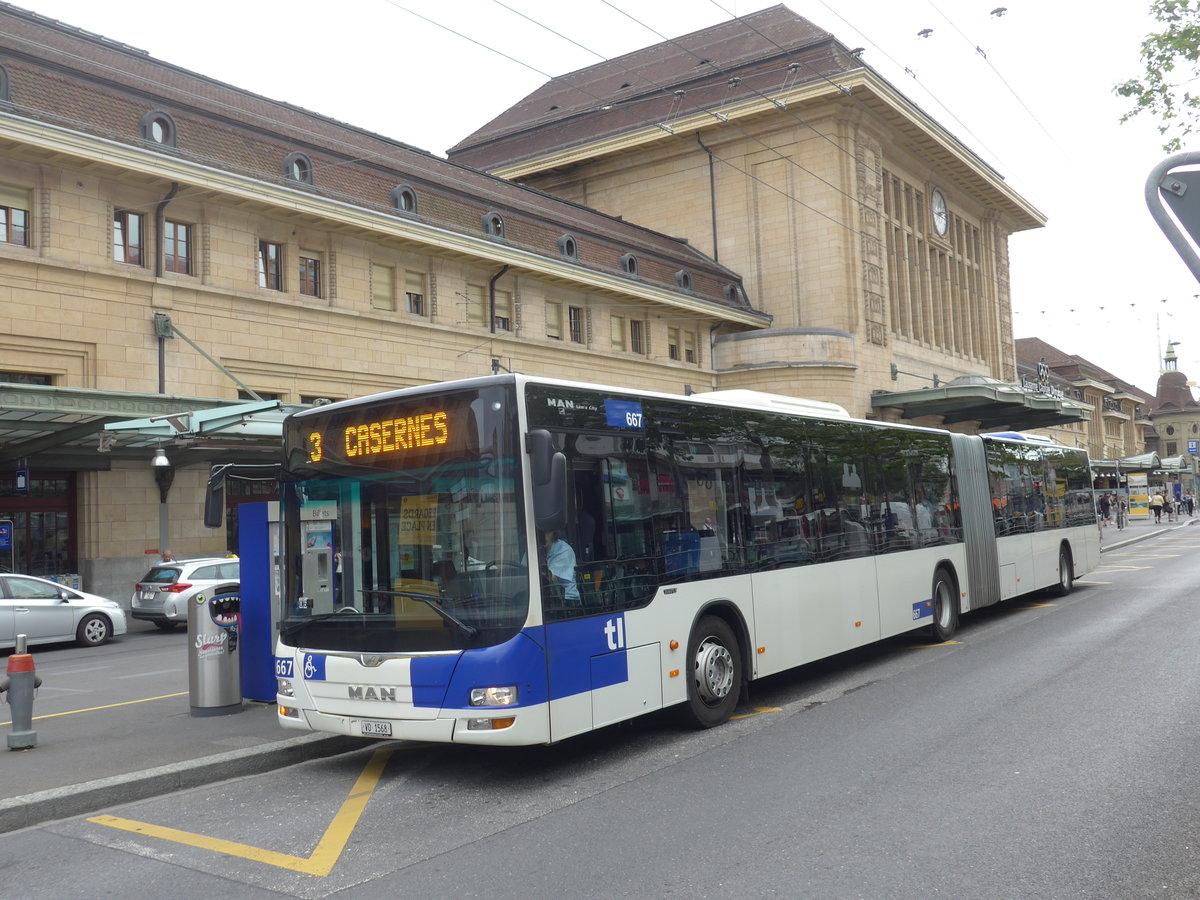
(45, 612)
(163, 593)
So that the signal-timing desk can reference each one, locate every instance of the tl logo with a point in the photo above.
(614, 631)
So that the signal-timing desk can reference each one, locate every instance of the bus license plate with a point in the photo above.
(376, 729)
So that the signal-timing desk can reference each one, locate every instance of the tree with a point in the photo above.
(1172, 61)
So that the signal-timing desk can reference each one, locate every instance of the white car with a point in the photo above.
(46, 612)
(163, 594)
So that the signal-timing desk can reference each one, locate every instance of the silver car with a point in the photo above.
(46, 612)
(163, 593)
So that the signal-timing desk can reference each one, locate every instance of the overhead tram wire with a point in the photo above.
(921, 265)
(646, 122)
(696, 109)
(193, 193)
(359, 154)
(867, 110)
(996, 71)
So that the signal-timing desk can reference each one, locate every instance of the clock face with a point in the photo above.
(941, 216)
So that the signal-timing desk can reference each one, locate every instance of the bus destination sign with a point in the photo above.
(382, 437)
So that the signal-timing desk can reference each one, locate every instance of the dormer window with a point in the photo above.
(158, 128)
(629, 265)
(4, 95)
(493, 224)
(683, 278)
(568, 247)
(297, 168)
(404, 199)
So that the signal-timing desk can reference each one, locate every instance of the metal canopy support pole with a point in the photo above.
(164, 327)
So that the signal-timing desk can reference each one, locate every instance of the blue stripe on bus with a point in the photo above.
(430, 676)
(520, 661)
(577, 656)
(922, 610)
(586, 654)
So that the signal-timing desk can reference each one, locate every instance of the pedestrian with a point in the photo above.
(1156, 506)
(1122, 514)
(1190, 500)
(1105, 510)
(168, 556)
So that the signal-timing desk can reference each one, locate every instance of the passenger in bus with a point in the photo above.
(560, 563)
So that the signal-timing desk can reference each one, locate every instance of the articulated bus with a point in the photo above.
(517, 560)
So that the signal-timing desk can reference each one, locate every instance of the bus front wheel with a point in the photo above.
(945, 606)
(715, 676)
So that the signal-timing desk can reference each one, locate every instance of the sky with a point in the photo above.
(1028, 91)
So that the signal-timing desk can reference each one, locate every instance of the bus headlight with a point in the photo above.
(494, 696)
(285, 688)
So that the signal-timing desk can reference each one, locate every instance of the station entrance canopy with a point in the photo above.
(1150, 463)
(992, 403)
(77, 429)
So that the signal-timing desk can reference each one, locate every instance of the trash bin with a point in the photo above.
(214, 669)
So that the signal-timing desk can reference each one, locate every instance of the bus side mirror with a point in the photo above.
(214, 498)
(548, 471)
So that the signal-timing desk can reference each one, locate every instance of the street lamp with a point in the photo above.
(164, 474)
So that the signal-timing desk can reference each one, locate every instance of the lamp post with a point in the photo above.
(164, 474)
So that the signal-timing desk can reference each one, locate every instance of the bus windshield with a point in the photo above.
(403, 524)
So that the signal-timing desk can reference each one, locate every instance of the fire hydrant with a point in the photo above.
(19, 683)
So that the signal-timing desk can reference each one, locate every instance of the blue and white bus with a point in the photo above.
(516, 560)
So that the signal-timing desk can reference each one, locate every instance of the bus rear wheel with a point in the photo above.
(1066, 574)
(715, 676)
(945, 606)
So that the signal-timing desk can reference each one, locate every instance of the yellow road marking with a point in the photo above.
(74, 712)
(758, 711)
(323, 858)
(1081, 581)
(1033, 605)
(931, 646)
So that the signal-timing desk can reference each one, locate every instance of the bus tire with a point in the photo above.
(945, 606)
(715, 673)
(1066, 574)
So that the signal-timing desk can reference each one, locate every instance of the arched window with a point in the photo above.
(158, 128)
(404, 198)
(4, 95)
(493, 224)
(568, 247)
(629, 263)
(297, 168)
(683, 278)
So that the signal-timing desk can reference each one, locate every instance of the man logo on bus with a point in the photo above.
(614, 631)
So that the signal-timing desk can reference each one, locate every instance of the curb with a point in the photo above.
(90, 796)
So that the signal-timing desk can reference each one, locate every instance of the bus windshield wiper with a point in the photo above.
(432, 602)
(300, 625)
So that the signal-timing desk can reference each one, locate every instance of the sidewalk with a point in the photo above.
(85, 763)
(1136, 530)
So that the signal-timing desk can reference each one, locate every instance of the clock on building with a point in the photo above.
(941, 215)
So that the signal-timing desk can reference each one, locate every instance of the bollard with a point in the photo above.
(20, 683)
